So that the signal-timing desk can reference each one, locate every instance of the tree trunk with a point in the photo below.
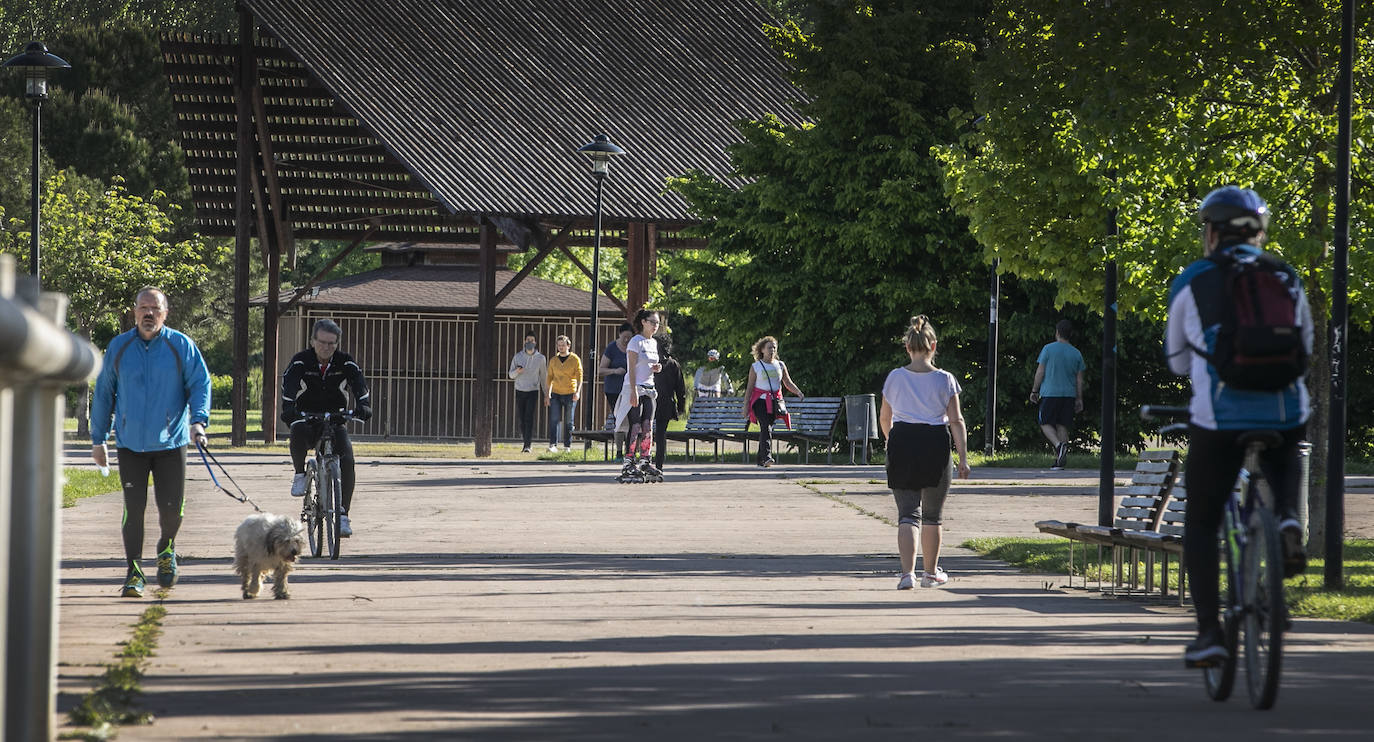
(83, 402)
(1319, 374)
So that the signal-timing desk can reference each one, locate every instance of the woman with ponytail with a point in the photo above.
(921, 419)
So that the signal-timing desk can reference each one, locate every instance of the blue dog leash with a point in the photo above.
(241, 496)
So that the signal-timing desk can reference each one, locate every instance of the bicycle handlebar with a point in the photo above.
(340, 417)
(1167, 412)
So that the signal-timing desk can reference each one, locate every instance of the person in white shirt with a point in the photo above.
(767, 378)
(711, 380)
(638, 395)
(921, 417)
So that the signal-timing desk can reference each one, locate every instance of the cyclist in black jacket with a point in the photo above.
(317, 380)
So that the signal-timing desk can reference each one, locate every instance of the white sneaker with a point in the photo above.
(298, 484)
(907, 582)
(934, 580)
(553, 449)
(345, 528)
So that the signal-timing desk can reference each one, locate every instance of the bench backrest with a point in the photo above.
(1142, 503)
(716, 414)
(1174, 514)
(814, 416)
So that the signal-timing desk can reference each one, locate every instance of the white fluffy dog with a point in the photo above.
(267, 543)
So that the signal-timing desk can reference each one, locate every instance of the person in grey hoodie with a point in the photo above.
(529, 368)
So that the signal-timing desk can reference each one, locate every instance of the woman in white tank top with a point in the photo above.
(767, 378)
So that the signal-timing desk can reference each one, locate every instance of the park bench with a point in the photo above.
(603, 435)
(1141, 509)
(712, 420)
(813, 420)
(715, 419)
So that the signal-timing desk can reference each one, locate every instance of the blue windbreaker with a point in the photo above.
(152, 390)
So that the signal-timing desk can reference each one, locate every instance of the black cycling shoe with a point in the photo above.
(1294, 557)
(1207, 650)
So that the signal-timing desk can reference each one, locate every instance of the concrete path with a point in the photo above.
(491, 601)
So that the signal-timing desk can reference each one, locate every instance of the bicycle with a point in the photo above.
(1252, 557)
(323, 506)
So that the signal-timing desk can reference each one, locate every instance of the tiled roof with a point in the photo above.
(430, 288)
(485, 101)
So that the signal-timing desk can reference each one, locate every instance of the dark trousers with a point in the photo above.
(765, 418)
(305, 434)
(525, 405)
(660, 438)
(168, 470)
(1214, 461)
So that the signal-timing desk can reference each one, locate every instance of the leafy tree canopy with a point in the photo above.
(841, 231)
(100, 245)
(1084, 107)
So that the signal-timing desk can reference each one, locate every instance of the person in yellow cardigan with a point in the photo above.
(565, 388)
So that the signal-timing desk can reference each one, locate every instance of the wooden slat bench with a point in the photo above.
(813, 420)
(712, 420)
(1141, 508)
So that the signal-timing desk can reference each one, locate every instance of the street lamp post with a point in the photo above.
(36, 63)
(601, 150)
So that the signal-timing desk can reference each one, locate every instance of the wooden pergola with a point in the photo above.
(347, 120)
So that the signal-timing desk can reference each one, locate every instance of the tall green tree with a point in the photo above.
(1090, 106)
(100, 245)
(840, 231)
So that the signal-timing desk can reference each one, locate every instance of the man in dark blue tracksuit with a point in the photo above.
(155, 389)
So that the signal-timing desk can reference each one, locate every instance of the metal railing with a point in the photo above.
(38, 358)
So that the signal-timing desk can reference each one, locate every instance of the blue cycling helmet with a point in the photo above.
(1235, 210)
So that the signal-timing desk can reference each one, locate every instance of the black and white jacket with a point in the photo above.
(309, 386)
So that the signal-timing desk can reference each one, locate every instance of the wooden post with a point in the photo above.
(247, 79)
(636, 267)
(483, 396)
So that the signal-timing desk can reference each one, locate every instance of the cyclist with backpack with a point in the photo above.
(1240, 328)
(315, 381)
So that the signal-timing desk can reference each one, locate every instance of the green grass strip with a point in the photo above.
(1307, 598)
(112, 703)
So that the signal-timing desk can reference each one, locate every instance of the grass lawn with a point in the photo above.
(1306, 596)
(81, 483)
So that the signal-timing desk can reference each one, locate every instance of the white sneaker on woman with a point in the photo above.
(907, 582)
(937, 579)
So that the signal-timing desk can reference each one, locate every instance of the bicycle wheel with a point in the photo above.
(1264, 611)
(334, 511)
(1221, 678)
(311, 511)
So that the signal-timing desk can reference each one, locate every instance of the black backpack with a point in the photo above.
(1259, 343)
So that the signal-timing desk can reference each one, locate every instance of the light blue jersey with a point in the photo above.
(1063, 363)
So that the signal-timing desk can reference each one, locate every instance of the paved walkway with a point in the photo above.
(491, 601)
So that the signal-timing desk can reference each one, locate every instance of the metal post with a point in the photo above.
(990, 418)
(593, 360)
(1107, 472)
(34, 192)
(1333, 577)
(31, 638)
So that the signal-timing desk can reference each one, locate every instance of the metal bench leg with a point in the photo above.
(1099, 568)
(1149, 571)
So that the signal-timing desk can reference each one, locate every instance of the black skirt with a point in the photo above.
(917, 455)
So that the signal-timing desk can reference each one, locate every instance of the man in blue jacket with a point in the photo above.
(155, 389)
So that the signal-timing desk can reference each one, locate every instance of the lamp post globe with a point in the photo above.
(601, 150)
(36, 63)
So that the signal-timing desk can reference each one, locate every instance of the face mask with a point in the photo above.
(529, 347)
